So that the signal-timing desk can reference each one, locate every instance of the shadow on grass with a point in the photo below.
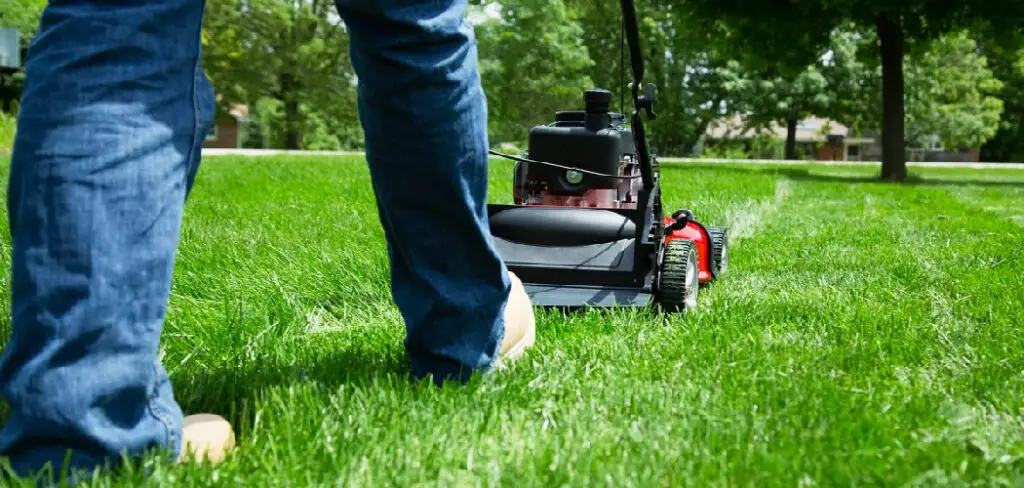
(718, 168)
(805, 174)
(234, 392)
(912, 180)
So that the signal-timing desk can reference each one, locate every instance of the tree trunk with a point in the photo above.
(894, 161)
(698, 134)
(704, 119)
(292, 118)
(293, 134)
(791, 139)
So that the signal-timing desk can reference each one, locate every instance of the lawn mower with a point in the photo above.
(587, 227)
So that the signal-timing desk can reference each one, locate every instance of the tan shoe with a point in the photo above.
(520, 323)
(208, 437)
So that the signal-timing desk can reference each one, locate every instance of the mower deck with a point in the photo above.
(593, 257)
(586, 296)
(572, 257)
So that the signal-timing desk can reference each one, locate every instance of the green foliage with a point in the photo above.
(258, 133)
(293, 52)
(853, 71)
(761, 146)
(23, 15)
(723, 150)
(790, 98)
(533, 64)
(767, 147)
(786, 37)
(1007, 62)
(693, 92)
(769, 61)
(767, 100)
(952, 94)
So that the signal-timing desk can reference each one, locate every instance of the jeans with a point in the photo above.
(114, 113)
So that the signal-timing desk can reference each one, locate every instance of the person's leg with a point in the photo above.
(425, 117)
(114, 112)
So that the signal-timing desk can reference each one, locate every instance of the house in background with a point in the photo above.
(816, 138)
(826, 140)
(228, 129)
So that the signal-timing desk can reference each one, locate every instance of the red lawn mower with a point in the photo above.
(587, 226)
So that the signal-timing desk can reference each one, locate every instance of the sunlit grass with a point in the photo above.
(866, 334)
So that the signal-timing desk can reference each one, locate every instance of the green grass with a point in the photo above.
(867, 334)
(7, 126)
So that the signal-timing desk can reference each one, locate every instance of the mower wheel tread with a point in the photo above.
(676, 285)
(719, 250)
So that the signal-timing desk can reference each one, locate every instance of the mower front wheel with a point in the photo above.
(679, 284)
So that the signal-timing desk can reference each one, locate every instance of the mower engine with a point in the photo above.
(599, 155)
(587, 227)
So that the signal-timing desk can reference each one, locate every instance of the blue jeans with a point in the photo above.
(113, 117)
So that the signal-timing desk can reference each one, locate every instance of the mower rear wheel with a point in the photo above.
(679, 284)
(719, 249)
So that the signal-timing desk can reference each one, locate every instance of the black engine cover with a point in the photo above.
(591, 139)
(578, 147)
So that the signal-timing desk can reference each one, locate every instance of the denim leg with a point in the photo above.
(112, 118)
(425, 117)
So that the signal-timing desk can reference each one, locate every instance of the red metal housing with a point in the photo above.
(699, 235)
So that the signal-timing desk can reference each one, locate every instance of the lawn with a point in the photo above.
(867, 334)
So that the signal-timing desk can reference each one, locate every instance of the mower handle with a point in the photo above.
(633, 39)
(643, 101)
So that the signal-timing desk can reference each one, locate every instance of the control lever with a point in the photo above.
(647, 99)
(680, 220)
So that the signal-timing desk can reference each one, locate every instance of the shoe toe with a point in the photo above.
(208, 437)
(520, 323)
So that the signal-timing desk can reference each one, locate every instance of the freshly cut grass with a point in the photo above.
(866, 334)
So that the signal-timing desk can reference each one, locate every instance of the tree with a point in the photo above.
(1006, 59)
(788, 36)
(781, 99)
(697, 86)
(533, 63)
(952, 96)
(853, 71)
(292, 52)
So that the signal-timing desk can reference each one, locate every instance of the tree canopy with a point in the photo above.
(786, 36)
(533, 63)
(921, 73)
